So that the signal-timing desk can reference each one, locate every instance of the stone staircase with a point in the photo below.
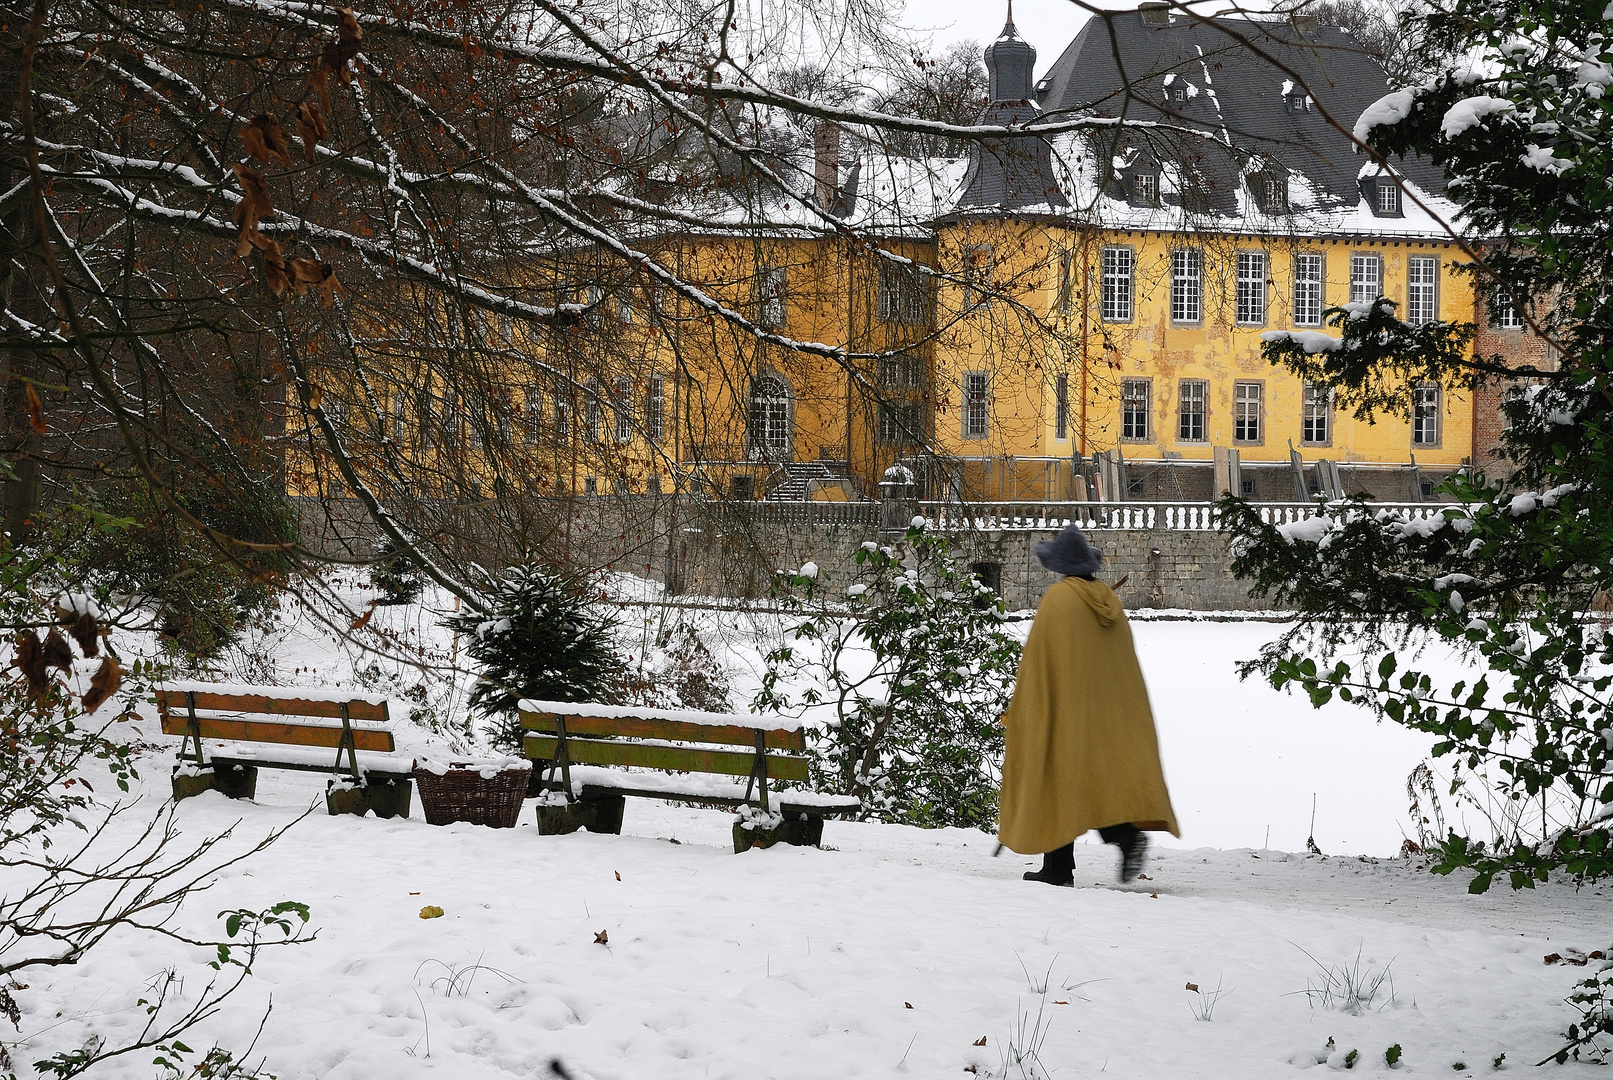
(796, 475)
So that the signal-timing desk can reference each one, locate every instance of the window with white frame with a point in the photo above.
(400, 417)
(1192, 400)
(1507, 315)
(769, 417)
(655, 408)
(1308, 288)
(1247, 399)
(1366, 278)
(904, 294)
(623, 408)
(1134, 403)
(1145, 187)
(562, 420)
(591, 413)
(450, 416)
(1274, 193)
(1425, 415)
(899, 423)
(532, 414)
(1117, 267)
(976, 404)
(770, 287)
(1316, 420)
(1061, 407)
(1187, 285)
(1251, 288)
(901, 372)
(1388, 197)
(1422, 277)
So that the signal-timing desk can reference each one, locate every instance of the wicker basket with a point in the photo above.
(476, 792)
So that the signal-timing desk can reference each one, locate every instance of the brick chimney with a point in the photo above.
(825, 163)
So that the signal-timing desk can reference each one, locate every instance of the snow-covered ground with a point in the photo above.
(890, 952)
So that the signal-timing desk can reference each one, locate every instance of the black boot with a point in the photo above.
(1133, 845)
(1058, 867)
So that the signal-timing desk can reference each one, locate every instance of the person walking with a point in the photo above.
(1081, 748)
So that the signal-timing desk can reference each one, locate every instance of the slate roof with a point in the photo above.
(1012, 175)
(1236, 95)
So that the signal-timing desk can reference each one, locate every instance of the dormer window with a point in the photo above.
(1145, 187)
(1298, 102)
(1270, 190)
(1386, 199)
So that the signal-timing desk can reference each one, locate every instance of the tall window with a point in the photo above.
(977, 266)
(1507, 315)
(531, 414)
(1318, 413)
(1191, 409)
(655, 408)
(450, 416)
(976, 404)
(904, 294)
(899, 424)
(1422, 276)
(425, 409)
(1308, 289)
(1246, 402)
(1061, 407)
(1134, 409)
(400, 417)
(562, 420)
(1117, 267)
(1251, 291)
(591, 413)
(623, 407)
(1425, 415)
(1274, 193)
(1187, 286)
(769, 417)
(770, 296)
(1366, 278)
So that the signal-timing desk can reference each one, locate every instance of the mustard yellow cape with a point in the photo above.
(1081, 748)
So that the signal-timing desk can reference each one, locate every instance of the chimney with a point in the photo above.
(1155, 13)
(1306, 24)
(825, 163)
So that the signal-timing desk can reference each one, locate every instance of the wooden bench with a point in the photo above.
(297, 724)
(569, 741)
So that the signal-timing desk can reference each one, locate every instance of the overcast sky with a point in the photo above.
(1049, 25)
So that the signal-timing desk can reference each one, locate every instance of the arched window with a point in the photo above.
(769, 418)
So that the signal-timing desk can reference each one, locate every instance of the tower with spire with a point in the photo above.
(1011, 175)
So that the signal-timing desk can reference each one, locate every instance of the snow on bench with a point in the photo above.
(676, 716)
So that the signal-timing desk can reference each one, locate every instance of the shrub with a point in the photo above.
(542, 637)
(396, 573)
(912, 666)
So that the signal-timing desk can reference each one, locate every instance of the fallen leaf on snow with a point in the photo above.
(431, 911)
(979, 1042)
(602, 938)
(908, 1004)
(1193, 987)
(618, 875)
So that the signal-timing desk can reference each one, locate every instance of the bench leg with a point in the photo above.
(801, 830)
(345, 799)
(189, 779)
(389, 798)
(595, 815)
(235, 780)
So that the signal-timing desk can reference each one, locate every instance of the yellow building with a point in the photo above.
(1079, 315)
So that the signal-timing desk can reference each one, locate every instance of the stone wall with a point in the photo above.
(732, 550)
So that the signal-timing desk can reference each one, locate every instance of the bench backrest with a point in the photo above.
(649, 742)
(308, 720)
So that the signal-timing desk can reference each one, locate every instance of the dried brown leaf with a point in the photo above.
(265, 138)
(602, 938)
(56, 651)
(30, 660)
(36, 410)
(364, 620)
(979, 1042)
(338, 56)
(310, 128)
(1193, 987)
(88, 635)
(104, 684)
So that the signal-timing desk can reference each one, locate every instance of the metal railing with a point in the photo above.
(1174, 516)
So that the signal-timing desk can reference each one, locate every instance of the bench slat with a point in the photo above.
(391, 772)
(780, 799)
(284, 706)
(676, 758)
(268, 731)
(671, 730)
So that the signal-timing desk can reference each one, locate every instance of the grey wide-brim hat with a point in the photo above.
(1069, 553)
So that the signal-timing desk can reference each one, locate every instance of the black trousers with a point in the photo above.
(1061, 861)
